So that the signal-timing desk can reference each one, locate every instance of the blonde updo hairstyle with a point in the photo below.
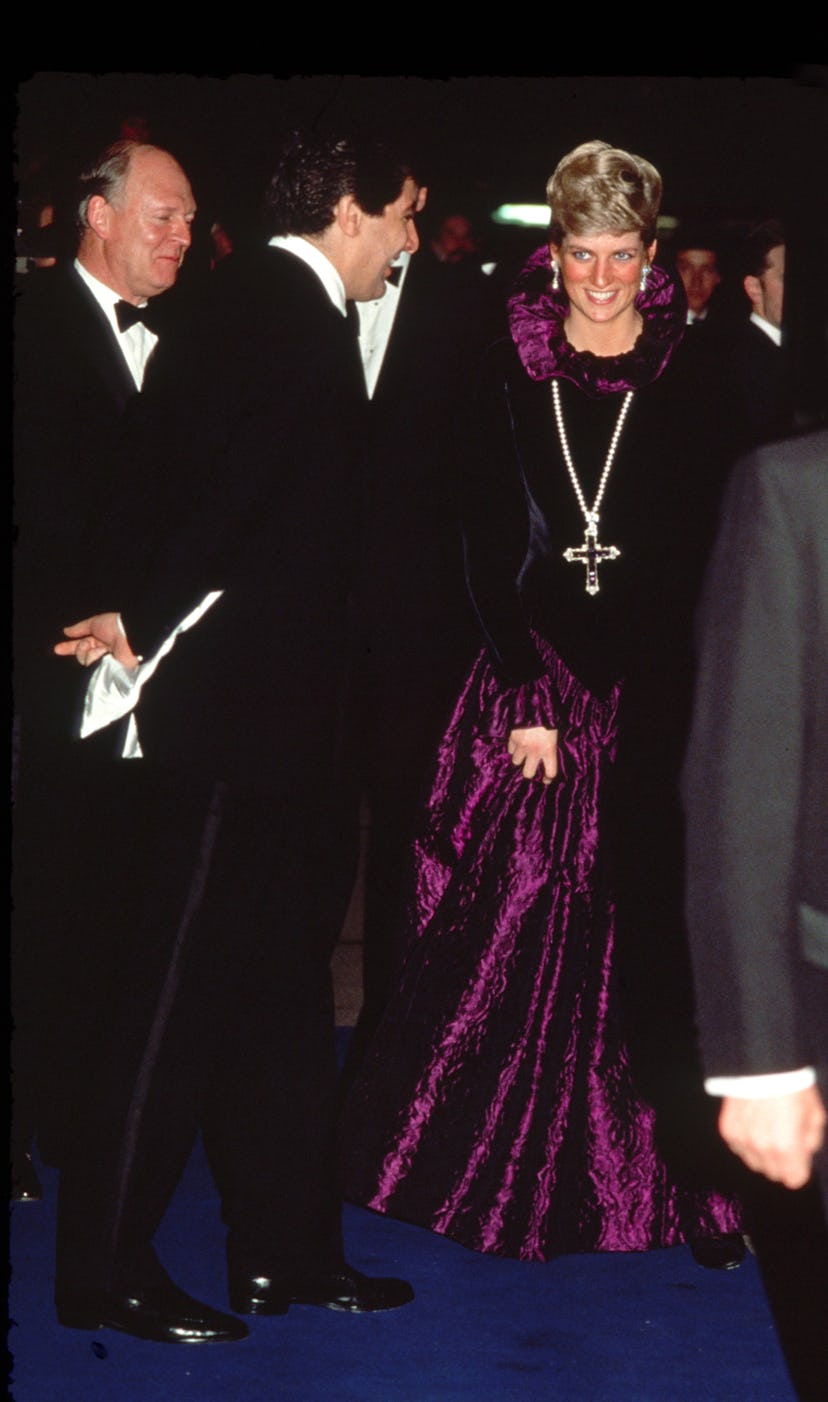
(599, 189)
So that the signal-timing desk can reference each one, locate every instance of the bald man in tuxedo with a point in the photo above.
(84, 335)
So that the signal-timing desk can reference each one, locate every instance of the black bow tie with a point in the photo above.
(127, 315)
(394, 275)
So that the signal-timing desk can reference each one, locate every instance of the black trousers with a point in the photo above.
(214, 1011)
(65, 806)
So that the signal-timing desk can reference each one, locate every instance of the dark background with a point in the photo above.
(739, 144)
(730, 148)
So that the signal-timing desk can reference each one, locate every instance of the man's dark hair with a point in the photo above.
(698, 237)
(315, 170)
(757, 244)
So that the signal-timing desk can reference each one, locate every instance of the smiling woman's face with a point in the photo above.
(601, 274)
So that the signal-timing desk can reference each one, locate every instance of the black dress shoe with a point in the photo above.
(25, 1182)
(723, 1252)
(161, 1313)
(338, 1288)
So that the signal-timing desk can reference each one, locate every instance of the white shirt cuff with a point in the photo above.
(113, 690)
(762, 1087)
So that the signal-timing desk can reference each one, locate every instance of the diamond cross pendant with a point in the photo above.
(591, 554)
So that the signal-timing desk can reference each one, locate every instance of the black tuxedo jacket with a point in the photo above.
(757, 383)
(73, 391)
(413, 580)
(247, 479)
(755, 776)
(244, 466)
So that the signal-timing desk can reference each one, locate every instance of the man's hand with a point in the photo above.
(535, 748)
(777, 1136)
(93, 638)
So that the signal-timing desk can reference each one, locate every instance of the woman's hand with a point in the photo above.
(535, 749)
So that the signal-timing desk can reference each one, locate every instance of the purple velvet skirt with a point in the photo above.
(496, 1104)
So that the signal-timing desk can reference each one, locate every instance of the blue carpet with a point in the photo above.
(604, 1328)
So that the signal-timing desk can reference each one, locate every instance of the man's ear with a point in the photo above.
(99, 216)
(348, 216)
(753, 288)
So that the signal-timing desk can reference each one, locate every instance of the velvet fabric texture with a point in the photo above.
(500, 1103)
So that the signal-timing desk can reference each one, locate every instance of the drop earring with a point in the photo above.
(645, 273)
(556, 277)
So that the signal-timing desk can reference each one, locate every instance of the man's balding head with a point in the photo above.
(135, 210)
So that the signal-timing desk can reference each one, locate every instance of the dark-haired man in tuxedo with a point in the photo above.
(755, 353)
(223, 1013)
(81, 349)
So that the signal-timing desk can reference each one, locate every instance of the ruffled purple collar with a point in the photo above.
(536, 320)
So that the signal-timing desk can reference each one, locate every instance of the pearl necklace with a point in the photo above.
(590, 554)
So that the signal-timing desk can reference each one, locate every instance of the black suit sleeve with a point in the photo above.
(496, 522)
(749, 770)
(223, 446)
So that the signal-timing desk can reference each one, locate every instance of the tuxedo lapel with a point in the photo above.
(97, 342)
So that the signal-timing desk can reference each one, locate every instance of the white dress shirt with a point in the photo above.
(376, 322)
(138, 342)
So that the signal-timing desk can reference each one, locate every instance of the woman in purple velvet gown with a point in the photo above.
(504, 1101)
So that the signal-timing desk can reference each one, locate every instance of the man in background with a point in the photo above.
(754, 356)
(697, 264)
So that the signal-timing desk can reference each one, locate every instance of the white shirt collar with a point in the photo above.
(105, 296)
(315, 259)
(137, 342)
(376, 320)
(773, 332)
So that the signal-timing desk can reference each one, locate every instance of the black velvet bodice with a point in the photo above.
(521, 514)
